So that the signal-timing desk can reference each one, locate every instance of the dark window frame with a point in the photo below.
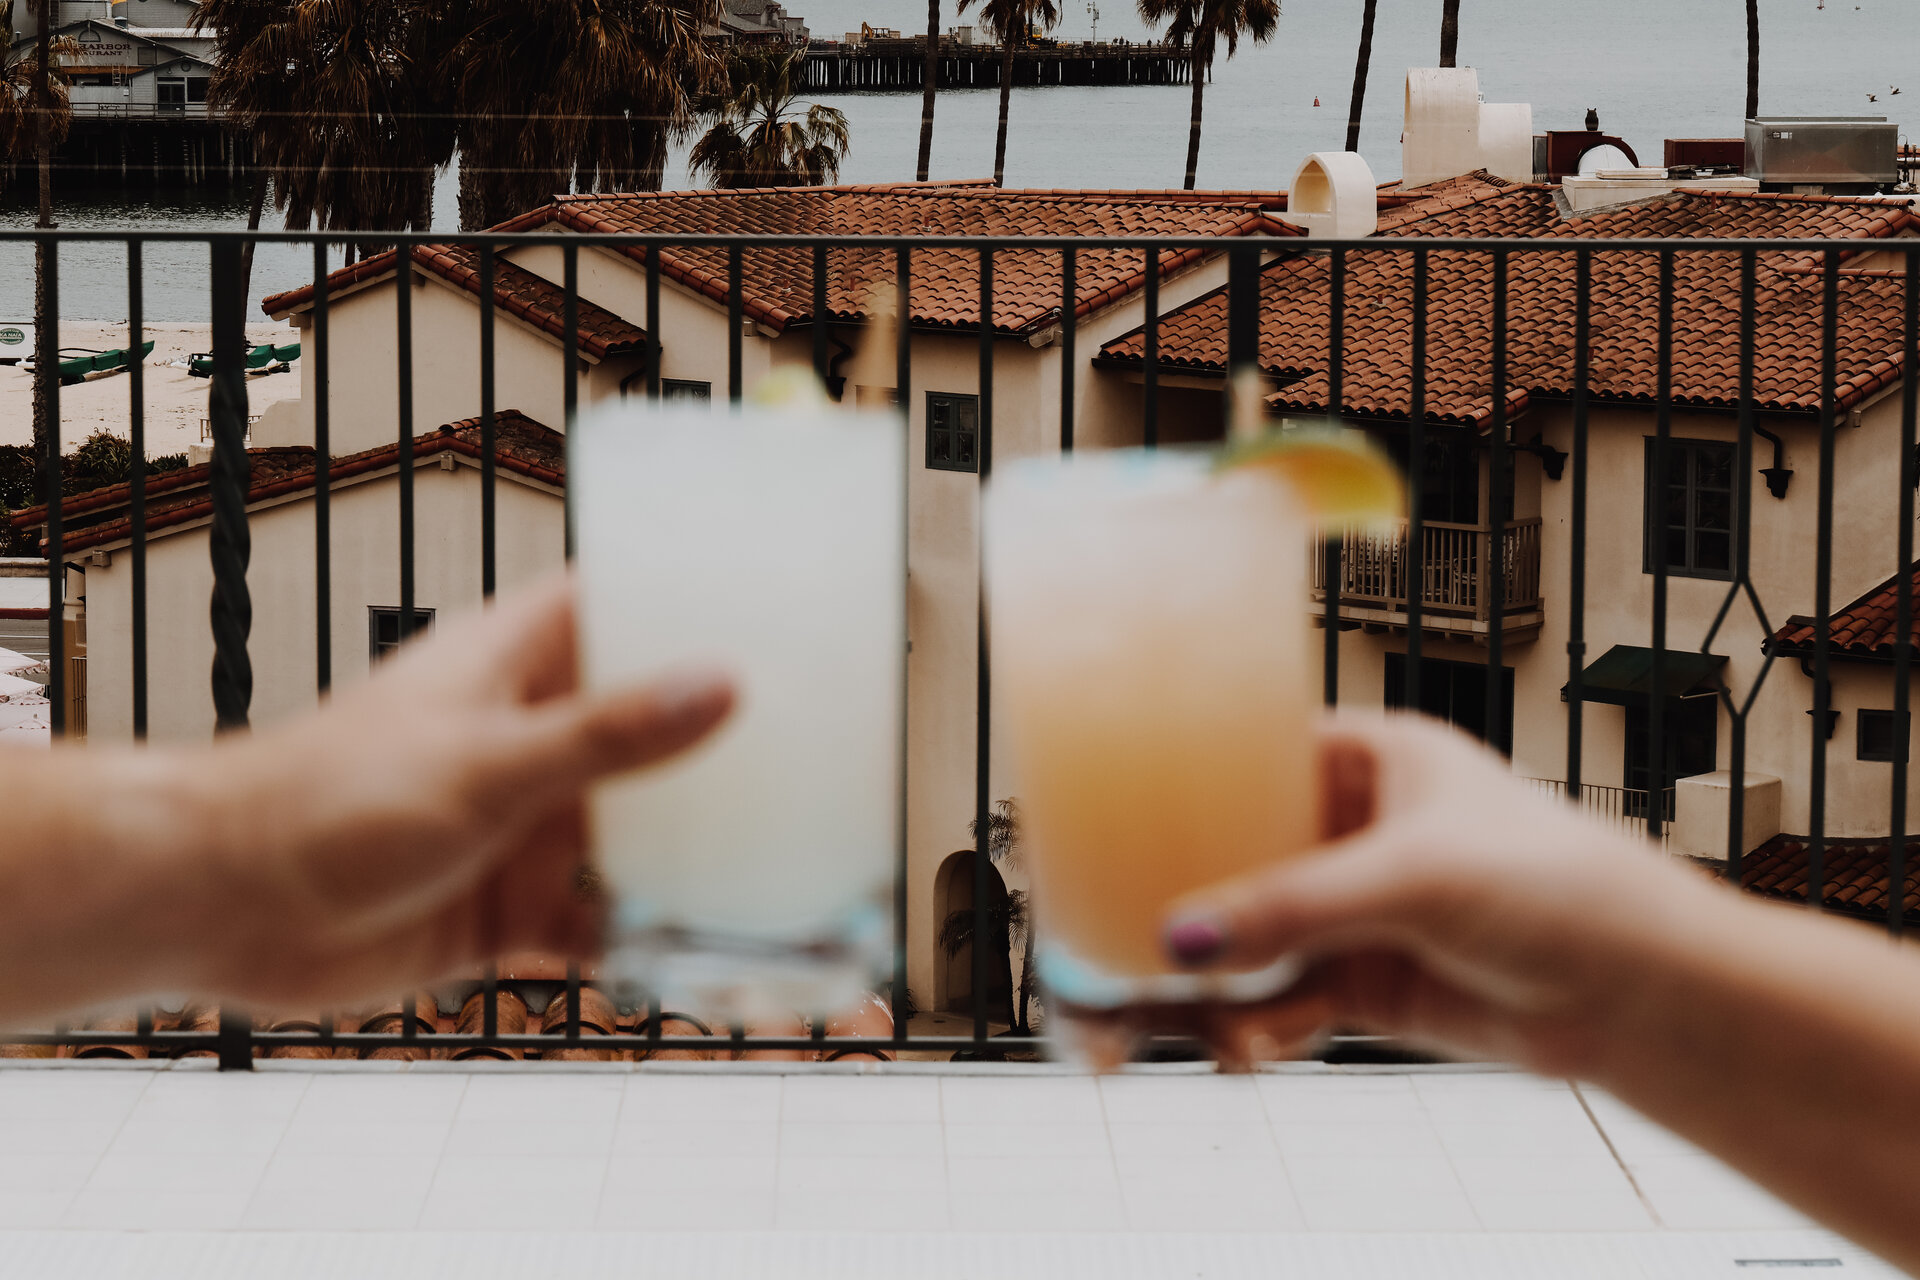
(383, 629)
(1877, 736)
(686, 390)
(1454, 692)
(953, 444)
(1654, 527)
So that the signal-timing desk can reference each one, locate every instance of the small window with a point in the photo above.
(383, 629)
(1881, 736)
(147, 55)
(1689, 510)
(953, 432)
(679, 389)
(197, 90)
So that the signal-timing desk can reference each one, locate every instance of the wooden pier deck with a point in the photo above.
(881, 66)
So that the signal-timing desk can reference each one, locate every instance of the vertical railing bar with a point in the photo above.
(1823, 582)
(1150, 356)
(570, 353)
(322, 478)
(1417, 454)
(403, 341)
(983, 688)
(573, 1002)
(1069, 318)
(1243, 332)
(736, 322)
(1663, 432)
(1742, 564)
(1332, 538)
(229, 548)
(1498, 493)
(47, 374)
(137, 448)
(903, 383)
(1577, 543)
(820, 316)
(490, 1000)
(654, 1010)
(1903, 605)
(489, 441)
(653, 322)
(409, 1014)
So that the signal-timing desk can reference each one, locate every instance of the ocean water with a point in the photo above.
(1653, 69)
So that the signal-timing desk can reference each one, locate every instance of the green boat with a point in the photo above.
(264, 358)
(76, 368)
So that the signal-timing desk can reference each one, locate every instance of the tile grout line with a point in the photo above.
(261, 1181)
(1446, 1153)
(946, 1156)
(613, 1140)
(440, 1158)
(1653, 1212)
(73, 1197)
(1286, 1169)
(1113, 1158)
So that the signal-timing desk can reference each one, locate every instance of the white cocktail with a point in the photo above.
(1150, 645)
(757, 869)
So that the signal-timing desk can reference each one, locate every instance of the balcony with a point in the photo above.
(1622, 809)
(1455, 573)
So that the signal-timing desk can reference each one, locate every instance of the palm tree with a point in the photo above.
(760, 138)
(1449, 31)
(35, 114)
(1202, 25)
(1007, 919)
(575, 95)
(340, 100)
(931, 75)
(1360, 75)
(236, 24)
(1012, 23)
(1753, 58)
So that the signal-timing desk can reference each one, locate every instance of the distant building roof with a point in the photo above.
(1296, 294)
(522, 447)
(776, 283)
(1864, 629)
(518, 292)
(1854, 874)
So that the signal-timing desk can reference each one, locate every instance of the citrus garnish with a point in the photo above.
(789, 386)
(1340, 476)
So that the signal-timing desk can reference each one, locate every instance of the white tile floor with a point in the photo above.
(392, 1170)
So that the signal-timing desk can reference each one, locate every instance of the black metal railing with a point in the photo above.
(236, 1039)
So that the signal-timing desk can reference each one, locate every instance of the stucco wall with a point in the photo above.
(365, 572)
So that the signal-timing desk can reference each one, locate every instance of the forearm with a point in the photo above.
(1789, 1046)
(100, 887)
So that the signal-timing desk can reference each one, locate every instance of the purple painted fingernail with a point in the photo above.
(1195, 940)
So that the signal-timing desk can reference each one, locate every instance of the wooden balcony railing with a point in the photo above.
(1453, 569)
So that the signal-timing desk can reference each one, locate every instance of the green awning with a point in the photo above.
(1623, 676)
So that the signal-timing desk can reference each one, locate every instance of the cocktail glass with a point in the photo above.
(1149, 628)
(755, 872)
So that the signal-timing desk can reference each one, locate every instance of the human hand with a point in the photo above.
(1452, 908)
(428, 818)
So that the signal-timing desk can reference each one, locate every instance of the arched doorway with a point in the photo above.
(954, 942)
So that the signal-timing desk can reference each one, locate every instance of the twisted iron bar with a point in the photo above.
(229, 543)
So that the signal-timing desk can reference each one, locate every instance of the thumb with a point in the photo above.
(1376, 887)
(571, 741)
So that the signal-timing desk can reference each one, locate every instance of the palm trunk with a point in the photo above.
(1753, 58)
(46, 341)
(1024, 1024)
(1202, 59)
(931, 75)
(1360, 69)
(256, 208)
(1449, 32)
(473, 196)
(1006, 97)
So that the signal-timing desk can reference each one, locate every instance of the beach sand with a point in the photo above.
(176, 403)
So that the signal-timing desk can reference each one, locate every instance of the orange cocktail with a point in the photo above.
(1150, 643)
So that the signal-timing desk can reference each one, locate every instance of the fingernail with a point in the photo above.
(692, 691)
(1195, 940)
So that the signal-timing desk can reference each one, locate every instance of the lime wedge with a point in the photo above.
(1340, 476)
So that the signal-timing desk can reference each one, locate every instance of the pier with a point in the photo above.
(879, 66)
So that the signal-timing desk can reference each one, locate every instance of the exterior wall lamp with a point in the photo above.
(1552, 461)
(1779, 474)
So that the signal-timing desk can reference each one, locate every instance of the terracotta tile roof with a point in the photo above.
(777, 287)
(1853, 873)
(1863, 629)
(521, 447)
(1295, 295)
(516, 291)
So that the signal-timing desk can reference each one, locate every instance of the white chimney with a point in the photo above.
(1450, 132)
(1334, 197)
